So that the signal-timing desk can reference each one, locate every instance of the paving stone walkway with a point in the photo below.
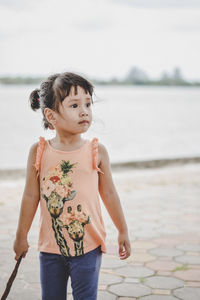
(162, 210)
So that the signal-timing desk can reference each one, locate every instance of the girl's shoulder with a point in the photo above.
(39, 148)
(34, 150)
(97, 145)
(100, 154)
(102, 150)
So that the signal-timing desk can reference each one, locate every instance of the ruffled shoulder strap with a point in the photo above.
(40, 149)
(95, 155)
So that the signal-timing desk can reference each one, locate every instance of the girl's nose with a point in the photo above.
(84, 113)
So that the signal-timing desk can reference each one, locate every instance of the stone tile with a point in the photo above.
(33, 286)
(164, 273)
(145, 234)
(102, 295)
(143, 244)
(188, 247)
(130, 290)
(112, 262)
(112, 249)
(187, 293)
(102, 287)
(162, 265)
(165, 252)
(25, 294)
(135, 263)
(69, 297)
(192, 253)
(126, 298)
(134, 271)
(140, 251)
(129, 280)
(193, 283)
(190, 237)
(163, 282)
(165, 258)
(109, 271)
(142, 257)
(197, 267)
(158, 297)
(106, 279)
(18, 284)
(166, 241)
(188, 259)
(69, 285)
(192, 275)
(31, 277)
(161, 292)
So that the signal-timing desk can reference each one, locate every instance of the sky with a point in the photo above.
(99, 38)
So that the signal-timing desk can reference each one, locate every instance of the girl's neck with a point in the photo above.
(67, 140)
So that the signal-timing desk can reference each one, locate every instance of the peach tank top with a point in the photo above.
(71, 222)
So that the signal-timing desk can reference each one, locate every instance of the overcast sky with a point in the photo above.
(99, 38)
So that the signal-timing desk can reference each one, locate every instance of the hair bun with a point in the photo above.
(34, 99)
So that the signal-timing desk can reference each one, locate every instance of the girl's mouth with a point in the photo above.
(84, 121)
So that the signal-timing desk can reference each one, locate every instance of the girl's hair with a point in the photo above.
(54, 90)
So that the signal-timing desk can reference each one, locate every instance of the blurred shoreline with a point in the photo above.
(146, 124)
(17, 173)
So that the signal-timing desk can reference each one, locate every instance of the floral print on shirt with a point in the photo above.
(57, 189)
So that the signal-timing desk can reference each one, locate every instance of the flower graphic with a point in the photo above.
(58, 184)
(48, 188)
(55, 179)
(60, 189)
(66, 180)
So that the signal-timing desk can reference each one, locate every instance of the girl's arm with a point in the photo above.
(29, 204)
(112, 202)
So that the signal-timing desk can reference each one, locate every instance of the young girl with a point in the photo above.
(65, 175)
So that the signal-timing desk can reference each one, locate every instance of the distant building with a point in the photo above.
(174, 78)
(136, 75)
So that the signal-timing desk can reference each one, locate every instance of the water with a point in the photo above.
(134, 123)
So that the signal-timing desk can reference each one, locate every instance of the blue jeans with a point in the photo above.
(55, 270)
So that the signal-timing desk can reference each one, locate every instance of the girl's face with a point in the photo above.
(73, 110)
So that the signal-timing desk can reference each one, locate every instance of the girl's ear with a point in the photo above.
(50, 115)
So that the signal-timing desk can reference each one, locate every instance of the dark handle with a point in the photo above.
(11, 279)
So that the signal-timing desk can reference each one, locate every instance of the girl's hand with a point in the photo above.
(20, 247)
(124, 245)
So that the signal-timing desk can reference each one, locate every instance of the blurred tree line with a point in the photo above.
(135, 76)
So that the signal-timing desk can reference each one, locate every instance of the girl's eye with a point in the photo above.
(74, 104)
(88, 104)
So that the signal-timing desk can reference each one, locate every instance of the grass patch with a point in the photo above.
(181, 268)
(142, 279)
